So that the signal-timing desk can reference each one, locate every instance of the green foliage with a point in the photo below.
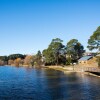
(74, 49)
(94, 41)
(68, 61)
(49, 56)
(15, 56)
(53, 53)
(4, 58)
(38, 59)
(39, 55)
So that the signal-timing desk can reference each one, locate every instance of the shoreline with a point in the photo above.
(70, 69)
(66, 69)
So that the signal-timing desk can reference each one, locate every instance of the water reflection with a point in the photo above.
(43, 84)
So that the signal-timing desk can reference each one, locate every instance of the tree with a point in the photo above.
(28, 60)
(94, 41)
(10, 62)
(17, 62)
(74, 49)
(1, 63)
(53, 52)
(48, 57)
(15, 56)
(39, 55)
(4, 59)
(38, 59)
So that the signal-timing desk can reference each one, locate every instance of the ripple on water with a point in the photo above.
(36, 84)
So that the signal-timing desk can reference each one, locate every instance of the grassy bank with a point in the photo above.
(60, 68)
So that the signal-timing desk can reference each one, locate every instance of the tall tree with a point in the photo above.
(39, 55)
(74, 49)
(53, 52)
(94, 41)
(48, 56)
(38, 59)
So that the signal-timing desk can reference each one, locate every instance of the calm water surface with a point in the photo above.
(45, 84)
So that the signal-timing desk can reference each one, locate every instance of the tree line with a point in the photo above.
(20, 60)
(56, 54)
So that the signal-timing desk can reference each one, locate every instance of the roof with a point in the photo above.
(85, 58)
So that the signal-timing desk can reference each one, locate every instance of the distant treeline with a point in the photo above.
(21, 60)
(56, 53)
(6, 59)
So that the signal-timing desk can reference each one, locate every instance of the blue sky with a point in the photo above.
(27, 26)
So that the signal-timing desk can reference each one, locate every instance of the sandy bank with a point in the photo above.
(66, 69)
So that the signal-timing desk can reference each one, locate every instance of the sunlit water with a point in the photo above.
(45, 84)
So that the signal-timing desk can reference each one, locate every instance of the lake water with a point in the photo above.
(45, 84)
